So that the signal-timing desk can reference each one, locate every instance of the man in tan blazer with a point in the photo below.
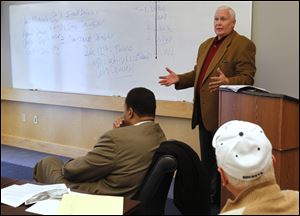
(227, 59)
(118, 162)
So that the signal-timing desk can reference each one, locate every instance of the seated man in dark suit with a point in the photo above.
(119, 161)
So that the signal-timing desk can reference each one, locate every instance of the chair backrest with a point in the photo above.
(154, 190)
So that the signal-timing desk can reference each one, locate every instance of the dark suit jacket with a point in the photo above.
(115, 166)
(236, 58)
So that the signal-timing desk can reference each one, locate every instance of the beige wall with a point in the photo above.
(275, 31)
(71, 131)
(70, 124)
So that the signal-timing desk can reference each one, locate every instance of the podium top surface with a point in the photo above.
(263, 94)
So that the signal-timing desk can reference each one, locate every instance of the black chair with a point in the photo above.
(154, 190)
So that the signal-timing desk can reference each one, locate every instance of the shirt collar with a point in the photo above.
(218, 42)
(142, 122)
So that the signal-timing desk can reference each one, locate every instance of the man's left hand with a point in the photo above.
(216, 81)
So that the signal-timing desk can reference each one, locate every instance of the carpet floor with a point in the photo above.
(18, 163)
(16, 171)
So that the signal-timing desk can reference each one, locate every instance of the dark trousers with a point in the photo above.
(209, 160)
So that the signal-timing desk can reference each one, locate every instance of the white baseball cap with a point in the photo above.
(242, 149)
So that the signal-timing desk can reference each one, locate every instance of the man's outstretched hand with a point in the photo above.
(170, 79)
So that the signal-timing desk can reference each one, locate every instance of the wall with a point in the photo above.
(71, 131)
(62, 127)
(70, 124)
(276, 35)
(5, 47)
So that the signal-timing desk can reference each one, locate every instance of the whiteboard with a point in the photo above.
(109, 47)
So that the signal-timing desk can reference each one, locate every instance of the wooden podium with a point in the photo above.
(278, 115)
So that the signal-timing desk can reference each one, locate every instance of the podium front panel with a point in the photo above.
(279, 118)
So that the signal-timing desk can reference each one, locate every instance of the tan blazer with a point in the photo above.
(116, 165)
(264, 199)
(236, 58)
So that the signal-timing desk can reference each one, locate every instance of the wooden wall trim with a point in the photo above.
(111, 103)
(42, 146)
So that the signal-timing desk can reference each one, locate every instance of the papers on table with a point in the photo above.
(87, 204)
(45, 207)
(16, 195)
(45, 195)
(237, 88)
(48, 202)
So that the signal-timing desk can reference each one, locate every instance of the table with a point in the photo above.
(129, 205)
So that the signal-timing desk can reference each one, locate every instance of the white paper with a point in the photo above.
(45, 207)
(236, 88)
(15, 195)
(45, 195)
(8, 195)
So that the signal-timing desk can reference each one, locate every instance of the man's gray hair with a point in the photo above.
(231, 11)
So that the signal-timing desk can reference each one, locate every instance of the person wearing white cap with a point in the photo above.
(244, 157)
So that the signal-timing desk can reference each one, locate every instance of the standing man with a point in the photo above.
(227, 59)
